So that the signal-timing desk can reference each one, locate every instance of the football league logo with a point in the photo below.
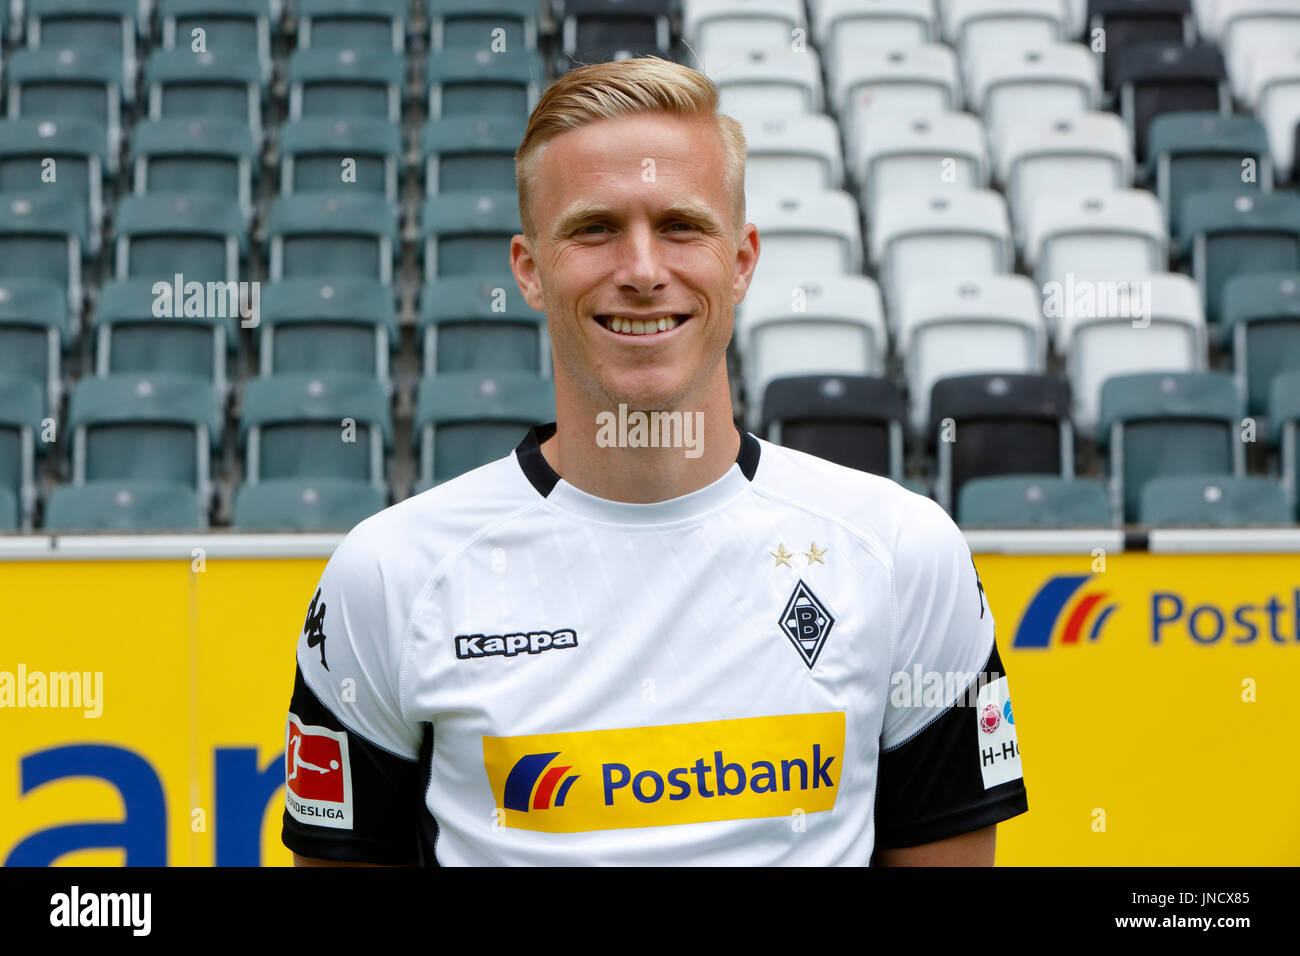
(807, 623)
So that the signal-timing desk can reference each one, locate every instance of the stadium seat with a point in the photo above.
(1033, 501)
(1274, 95)
(332, 235)
(1284, 423)
(1261, 318)
(34, 330)
(227, 25)
(225, 84)
(352, 24)
(213, 156)
(914, 80)
(842, 28)
(333, 324)
(108, 25)
(1155, 78)
(1224, 233)
(750, 24)
(130, 338)
(471, 153)
(67, 157)
(1054, 79)
(305, 425)
(1244, 28)
(315, 153)
(478, 82)
(157, 426)
(1212, 501)
(1118, 326)
(9, 512)
(831, 324)
(1127, 23)
(775, 81)
(1195, 151)
(481, 323)
(963, 232)
(68, 84)
(467, 419)
(1167, 423)
(853, 420)
(471, 24)
(198, 236)
(806, 232)
(305, 504)
(332, 82)
(1117, 232)
(124, 505)
(799, 148)
(1041, 155)
(42, 237)
(998, 424)
(973, 26)
(898, 153)
(595, 31)
(468, 232)
(21, 422)
(951, 327)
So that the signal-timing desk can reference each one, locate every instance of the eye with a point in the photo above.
(587, 230)
(683, 224)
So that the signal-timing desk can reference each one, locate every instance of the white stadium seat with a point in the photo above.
(1275, 97)
(813, 232)
(926, 153)
(1247, 29)
(1003, 25)
(756, 24)
(801, 149)
(765, 81)
(915, 81)
(1112, 233)
(1056, 79)
(844, 28)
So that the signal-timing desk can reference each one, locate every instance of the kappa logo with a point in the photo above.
(470, 646)
(807, 623)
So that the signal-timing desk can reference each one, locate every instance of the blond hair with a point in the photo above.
(627, 88)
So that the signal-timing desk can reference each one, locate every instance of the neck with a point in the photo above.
(618, 453)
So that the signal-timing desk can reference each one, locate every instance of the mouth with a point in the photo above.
(643, 326)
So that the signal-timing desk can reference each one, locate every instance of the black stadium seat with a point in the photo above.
(1155, 78)
(852, 420)
(1131, 22)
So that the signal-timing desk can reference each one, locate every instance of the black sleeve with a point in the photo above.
(377, 821)
(932, 787)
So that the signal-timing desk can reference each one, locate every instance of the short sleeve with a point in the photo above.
(949, 755)
(352, 788)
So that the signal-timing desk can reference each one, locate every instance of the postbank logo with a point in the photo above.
(666, 775)
(1040, 619)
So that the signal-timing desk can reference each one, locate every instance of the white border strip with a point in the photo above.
(1224, 540)
(137, 547)
(1065, 541)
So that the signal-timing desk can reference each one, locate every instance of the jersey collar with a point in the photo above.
(559, 492)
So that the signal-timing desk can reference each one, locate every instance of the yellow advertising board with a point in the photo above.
(1157, 705)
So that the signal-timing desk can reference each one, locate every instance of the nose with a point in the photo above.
(641, 270)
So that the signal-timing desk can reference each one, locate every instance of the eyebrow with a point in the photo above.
(583, 212)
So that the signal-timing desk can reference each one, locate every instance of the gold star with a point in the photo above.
(815, 554)
(782, 556)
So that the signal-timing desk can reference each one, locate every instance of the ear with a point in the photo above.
(524, 267)
(746, 262)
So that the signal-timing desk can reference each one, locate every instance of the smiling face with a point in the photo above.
(636, 259)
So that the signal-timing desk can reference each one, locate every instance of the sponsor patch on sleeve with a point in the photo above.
(318, 777)
(999, 751)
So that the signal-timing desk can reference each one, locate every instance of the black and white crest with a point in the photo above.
(807, 623)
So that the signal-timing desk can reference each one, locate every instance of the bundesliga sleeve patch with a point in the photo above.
(317, 775)
(999, 751)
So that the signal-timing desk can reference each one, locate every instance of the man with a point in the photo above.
(602, 650)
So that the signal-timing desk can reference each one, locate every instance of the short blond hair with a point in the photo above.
(627, 88)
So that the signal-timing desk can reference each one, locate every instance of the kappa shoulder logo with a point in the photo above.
(807, 623)
(470, 646)
(314, 627)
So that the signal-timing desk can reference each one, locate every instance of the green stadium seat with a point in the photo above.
(220, 84)
(1284, 422)
(328, 325)
(346, 82)
(1168, 423)
(471, 153)
(1033, 501)
(1261, 318)
(481, 323)
(332, 235)
(9, 519)
(160, 426)
(198, 236)
(129, 338)
(1228, 232)
(302, 425)
(1200, 150)
(471, 24)
(354, 24)
(21, 414)
(79, 149)
(467, 419)
(305, 504)
(34, 331)
(208, 155)
(124, 506)
(479, 82)
(1212, 501)
(237, 25)
(312, 152)
(68, 84)
(43, 237)
(87, 25)
(468, 233)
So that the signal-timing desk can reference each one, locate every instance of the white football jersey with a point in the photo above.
(793, 665)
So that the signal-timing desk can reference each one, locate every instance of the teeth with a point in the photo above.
(618, 323)
(638, 327)
(663, 324)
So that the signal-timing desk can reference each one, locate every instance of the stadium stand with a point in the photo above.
(1033, 501)
(34, 331)
(1261, 320)
(1212, 501)
(481, 323)
(124, 506)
